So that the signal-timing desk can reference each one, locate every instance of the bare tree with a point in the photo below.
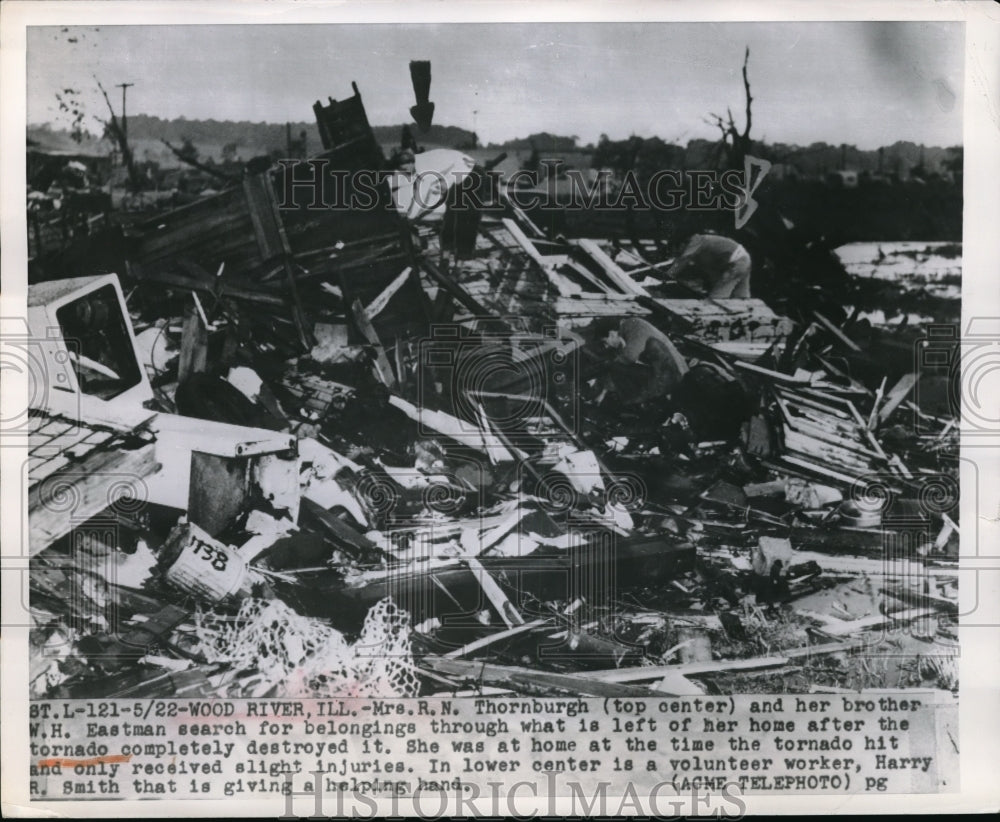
(189, 154)
(735, 144)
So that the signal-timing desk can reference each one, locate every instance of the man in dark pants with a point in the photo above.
(650, 366)
(714, 265)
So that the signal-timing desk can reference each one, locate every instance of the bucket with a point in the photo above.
(861, 514)
(204, 566)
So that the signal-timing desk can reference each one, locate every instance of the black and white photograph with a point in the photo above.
(414, 404)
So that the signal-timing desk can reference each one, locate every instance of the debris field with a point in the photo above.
(295, 451)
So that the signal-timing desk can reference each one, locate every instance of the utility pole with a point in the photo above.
(475, 133)
(123, 87)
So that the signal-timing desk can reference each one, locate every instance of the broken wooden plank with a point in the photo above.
(498, 636)
(490, 444)
(141, 638)
(840, 627)
(382, 300)
(822, 469)
(777, 376)
(194, 345)
(89, 487)
(690, 669)
(873, 416)
(547, 266)
(675, 684)
(899, 392)
(650, 672)
(460, 294)
(920, 600)
(381, 362)
(508, 613)
(840, 335)
(227, 289)
(526, 680)
(272, 242)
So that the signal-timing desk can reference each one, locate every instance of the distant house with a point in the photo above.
(49, 153)
(876, 178)
(784, 171)
(510, 164)
(842, 178)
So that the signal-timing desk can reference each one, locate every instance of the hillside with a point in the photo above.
(242, 140)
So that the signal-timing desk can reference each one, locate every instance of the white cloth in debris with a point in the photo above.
(319, 468)
(581, 469)
(151, 346)
(246, 381)
(420, 197)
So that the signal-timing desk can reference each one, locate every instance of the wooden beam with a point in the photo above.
(376, 306)
(382, 365)
(840, 627)
(219, 289)
(498, 636)
(193, 358)
(777, 376)
(920, 600)
(508, 613)
(460, 294)
(899, 392)
(840, 335)
(675, 684)
(272, 243)
(716, 666)
(89, 485)
(531, 681)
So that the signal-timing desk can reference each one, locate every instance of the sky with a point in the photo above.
(865, 84)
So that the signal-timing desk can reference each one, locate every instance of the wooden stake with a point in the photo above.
(499, 636)
(508, 613)
(194, 345)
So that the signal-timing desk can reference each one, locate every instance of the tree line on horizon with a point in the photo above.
(226, 140)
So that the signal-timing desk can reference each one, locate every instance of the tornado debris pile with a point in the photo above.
(396, 449)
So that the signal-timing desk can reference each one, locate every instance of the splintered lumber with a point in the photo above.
(508, 613)
(720, 666)
(382, 300)
(921, 600)
(219, 288)
(820, 469)
(777, 376)
(660, 671)
(726, 320)
(873, 417)
(899, 392)
(676, 684)
(272, 243)
(840, 335)
(194, 345)
(382, 364)
(843, 539)
(526, 680)
(882, 567)
(531, 250)
(840, 627)
(459, 430)
(89, 485)
(139, 639)
(498, 636)
(460, 294)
